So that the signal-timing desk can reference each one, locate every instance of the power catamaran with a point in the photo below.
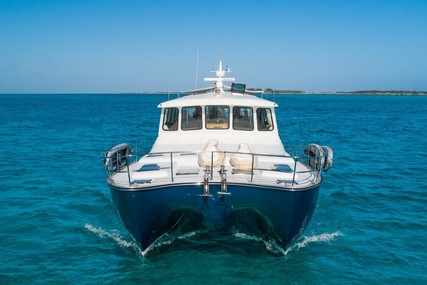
(218, 161)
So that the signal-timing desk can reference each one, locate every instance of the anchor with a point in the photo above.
(206, 182)
(223, 173)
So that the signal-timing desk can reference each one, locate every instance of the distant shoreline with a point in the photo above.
(359, 92)
(298, 92)
(266, 91)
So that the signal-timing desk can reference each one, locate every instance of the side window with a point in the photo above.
(243, 118)
(264, 119)
(191, 118)
(170, 119)
(217, 117)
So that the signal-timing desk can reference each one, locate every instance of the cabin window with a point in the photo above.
(191, 118)
(170, 119)
(217, 117)
(243, 118)
(264, 119)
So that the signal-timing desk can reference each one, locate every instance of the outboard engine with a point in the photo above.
(329, 156)
(319, 157)
(117, 157)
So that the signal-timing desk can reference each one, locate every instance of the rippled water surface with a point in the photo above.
(58, 225)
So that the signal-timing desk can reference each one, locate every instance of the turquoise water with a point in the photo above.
(58, 225)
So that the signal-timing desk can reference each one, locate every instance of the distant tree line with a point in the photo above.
(271, 91)
(378, 92)
(385, 92)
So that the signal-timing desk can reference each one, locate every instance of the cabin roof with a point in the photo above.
(225, 98)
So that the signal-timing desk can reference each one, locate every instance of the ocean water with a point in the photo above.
(58, 224)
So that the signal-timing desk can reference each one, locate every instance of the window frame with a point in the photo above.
(268, 117)
(217, 123)
(166, 116)
(250, 116)
(200, 117)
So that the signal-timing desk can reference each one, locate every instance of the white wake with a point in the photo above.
(273, 247)
(113, 235)
(326, 237)
(270, 245)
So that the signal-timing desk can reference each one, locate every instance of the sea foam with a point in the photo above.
(115, 236)
(326, 237)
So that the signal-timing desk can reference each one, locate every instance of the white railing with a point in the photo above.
(311, 165)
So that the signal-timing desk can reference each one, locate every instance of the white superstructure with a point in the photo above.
(241, 118)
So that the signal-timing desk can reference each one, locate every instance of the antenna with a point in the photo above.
(219, 80)
(197, 66)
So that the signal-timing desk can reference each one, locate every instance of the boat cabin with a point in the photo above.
(228, 117)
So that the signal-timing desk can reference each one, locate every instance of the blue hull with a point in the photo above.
(275, 213)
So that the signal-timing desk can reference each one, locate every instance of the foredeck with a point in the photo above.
(157, 169)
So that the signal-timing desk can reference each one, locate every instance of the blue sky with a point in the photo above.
(145, 46)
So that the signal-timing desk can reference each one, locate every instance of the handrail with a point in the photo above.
(132, 158)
